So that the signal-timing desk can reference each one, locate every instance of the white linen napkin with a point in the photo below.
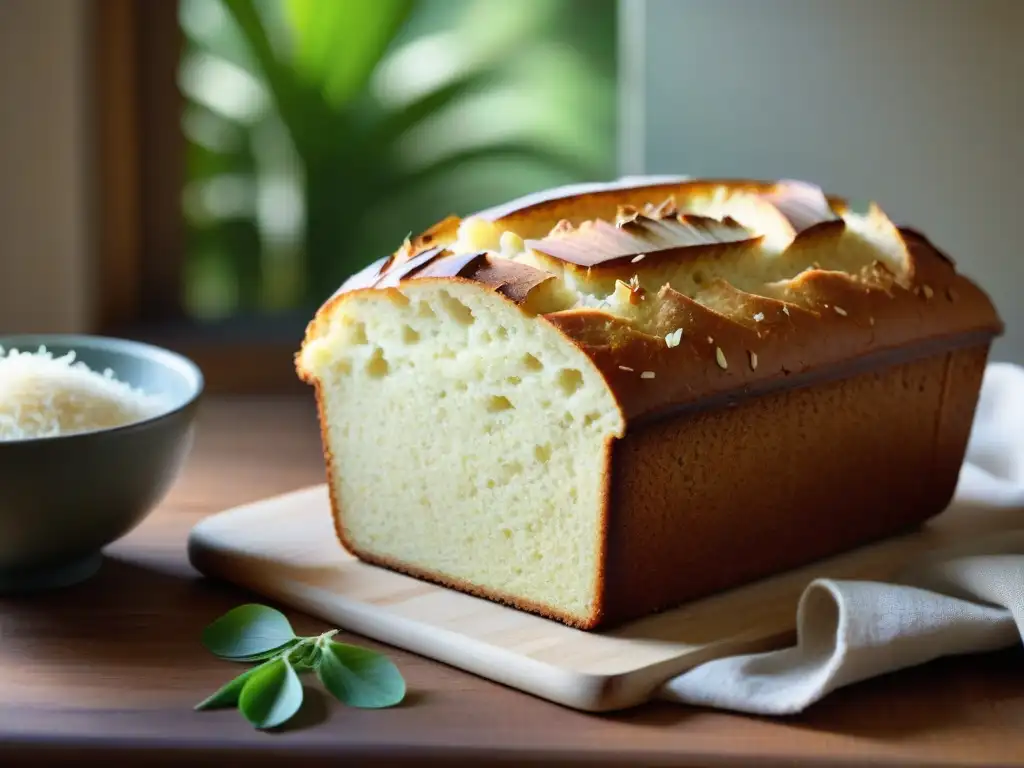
(967, 599)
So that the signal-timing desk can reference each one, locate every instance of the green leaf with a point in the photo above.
(519, 150)
(338, 44)
(303, 111)
(246, 631)
(271, 695)
(206, 27)
(398, 122)
(227, 696)
(360, 677)
(255, 35)
(263, 656)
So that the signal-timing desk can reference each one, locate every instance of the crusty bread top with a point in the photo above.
(681, 292)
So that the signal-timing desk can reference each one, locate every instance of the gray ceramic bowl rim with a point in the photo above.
(137, 349)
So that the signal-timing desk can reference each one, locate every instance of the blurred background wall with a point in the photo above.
(917, 104)
(44, 157)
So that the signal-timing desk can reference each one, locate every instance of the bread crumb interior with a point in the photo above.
(469, 440)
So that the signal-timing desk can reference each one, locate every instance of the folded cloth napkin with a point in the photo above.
(966, 599)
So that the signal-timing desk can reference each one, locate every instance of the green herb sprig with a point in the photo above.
(270, 694)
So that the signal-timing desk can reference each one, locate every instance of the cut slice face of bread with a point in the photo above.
(468, 443)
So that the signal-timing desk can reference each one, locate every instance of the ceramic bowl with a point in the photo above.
(64, 498)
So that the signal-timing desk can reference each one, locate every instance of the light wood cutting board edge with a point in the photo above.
(570, 687)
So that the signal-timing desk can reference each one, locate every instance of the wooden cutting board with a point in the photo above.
(284, 548)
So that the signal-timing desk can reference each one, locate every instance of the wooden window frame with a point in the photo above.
(139, 161)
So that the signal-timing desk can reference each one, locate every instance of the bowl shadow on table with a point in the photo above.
(128, 614)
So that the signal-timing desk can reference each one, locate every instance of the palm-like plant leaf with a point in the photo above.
(396, 123)
(337, 44)
(521, 150)
(358, 174)
(302, 108)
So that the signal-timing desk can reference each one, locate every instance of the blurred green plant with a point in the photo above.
(320, 132)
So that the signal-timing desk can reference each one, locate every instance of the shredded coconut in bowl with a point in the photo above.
(46, 396)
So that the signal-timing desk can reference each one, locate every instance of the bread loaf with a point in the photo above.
(607, 403)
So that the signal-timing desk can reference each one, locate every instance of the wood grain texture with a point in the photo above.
(109, 671)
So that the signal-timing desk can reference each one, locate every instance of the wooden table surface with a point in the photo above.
(110, 669)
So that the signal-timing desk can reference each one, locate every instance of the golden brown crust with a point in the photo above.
(328, 461)
(512, 280)
(603, 582)
(708, 501)
(537, 219)
(837, 320)
(728, 338)
(604, 245)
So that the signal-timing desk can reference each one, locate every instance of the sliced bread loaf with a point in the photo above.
(604, 404)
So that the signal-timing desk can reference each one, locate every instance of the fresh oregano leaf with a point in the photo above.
(359, 677)
(228, 695)
(271, 695)
(248, 631)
